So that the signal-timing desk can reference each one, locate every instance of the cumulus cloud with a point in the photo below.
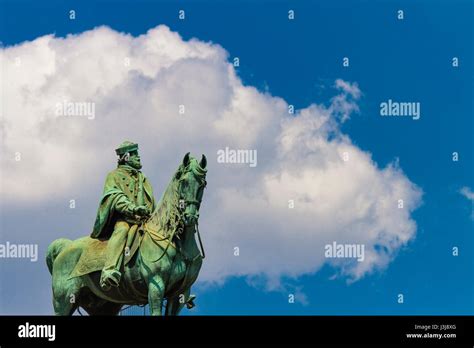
(312, 185)
(467, 192)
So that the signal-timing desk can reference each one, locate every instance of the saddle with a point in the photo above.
(93, 256)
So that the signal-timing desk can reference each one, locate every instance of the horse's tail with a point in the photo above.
(53, 251)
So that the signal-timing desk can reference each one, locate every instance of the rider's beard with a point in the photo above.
(135, 163)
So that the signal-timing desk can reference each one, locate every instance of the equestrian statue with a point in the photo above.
(139, 252)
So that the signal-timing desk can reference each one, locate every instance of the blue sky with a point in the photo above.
(408, 60)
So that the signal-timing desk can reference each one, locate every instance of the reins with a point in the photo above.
(177, 228)
(200, 241)
(169, 238)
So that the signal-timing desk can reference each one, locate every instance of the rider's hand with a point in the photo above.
(141, 210)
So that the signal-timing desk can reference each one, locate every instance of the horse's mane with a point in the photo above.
(166, 217)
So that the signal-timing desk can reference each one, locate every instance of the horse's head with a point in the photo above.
(191, 183)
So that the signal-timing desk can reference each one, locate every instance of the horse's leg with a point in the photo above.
(176, 304)
(156, 290)
(65, 296)
(63, 307)
(107, 308)
(65, 291)
(111, 308)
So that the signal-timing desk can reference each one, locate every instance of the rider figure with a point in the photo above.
(127, 200)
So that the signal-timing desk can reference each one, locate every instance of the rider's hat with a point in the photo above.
(126, 146)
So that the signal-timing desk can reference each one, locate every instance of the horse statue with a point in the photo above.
(161, 259)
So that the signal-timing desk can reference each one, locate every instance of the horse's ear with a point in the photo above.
(203, 162)
(186, 160)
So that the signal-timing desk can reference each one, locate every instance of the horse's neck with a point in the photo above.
(164, 208)
(189, 244)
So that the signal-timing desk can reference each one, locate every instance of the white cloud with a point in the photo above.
(467, 192)
(300, 157)
(352, 89)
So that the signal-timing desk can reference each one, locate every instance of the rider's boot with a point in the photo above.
(109, 278)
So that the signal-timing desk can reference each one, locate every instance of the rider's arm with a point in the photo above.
(125, 207)
(129, 209)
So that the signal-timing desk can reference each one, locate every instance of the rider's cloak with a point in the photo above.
(123, 186)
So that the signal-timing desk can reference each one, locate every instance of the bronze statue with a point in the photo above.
(127, 199)
(139, 252)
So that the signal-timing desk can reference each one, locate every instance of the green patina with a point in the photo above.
(138, 252)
